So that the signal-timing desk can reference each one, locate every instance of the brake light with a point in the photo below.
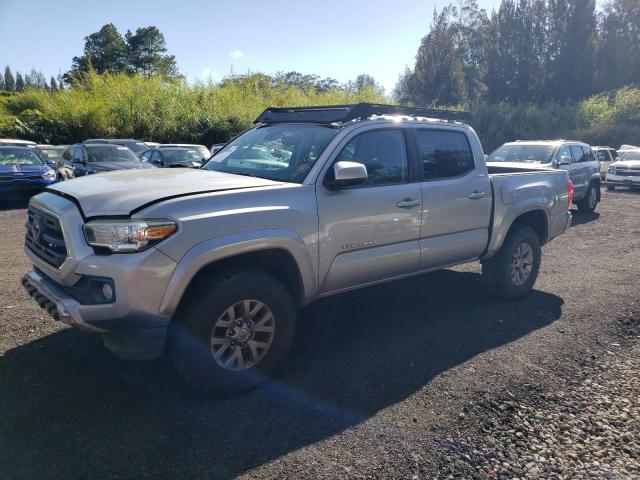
(569, 194)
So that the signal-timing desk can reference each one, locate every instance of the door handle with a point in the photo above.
(408, 203)
(476, 195)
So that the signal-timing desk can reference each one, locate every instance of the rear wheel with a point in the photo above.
(590, 201)
(611, 188)
(234, 331)
(512, 272)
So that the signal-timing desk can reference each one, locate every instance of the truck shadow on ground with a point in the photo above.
(71, 410)
(14, 203)
(582, 218)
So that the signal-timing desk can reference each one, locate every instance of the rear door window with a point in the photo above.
(444, 154)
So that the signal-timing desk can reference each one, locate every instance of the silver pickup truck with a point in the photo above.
(212, 265)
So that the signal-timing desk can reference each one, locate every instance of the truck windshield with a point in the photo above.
(284, 152)
(630, 156)
(522, 154)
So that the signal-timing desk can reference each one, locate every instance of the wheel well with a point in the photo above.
(276, 262)
(535, 219)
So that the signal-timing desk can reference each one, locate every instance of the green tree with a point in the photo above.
(362, 82)
(9, 81)
(1, 81)
(53, 85)
(618, 46)
(19, 82)
(146, 53)
(438, 76)
(514, 51)
(571, 44)
(35, 79)
(469, 26)
(104, 51)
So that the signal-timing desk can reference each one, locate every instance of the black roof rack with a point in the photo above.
(331, 114)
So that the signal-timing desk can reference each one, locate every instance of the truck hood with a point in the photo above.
(626, 164)
(125, 191)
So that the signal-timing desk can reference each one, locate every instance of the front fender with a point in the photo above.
(227, 246)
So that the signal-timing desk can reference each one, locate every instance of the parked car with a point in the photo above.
(174, 157)
(625, 172)
(312, 202)
(572, 156)
(84, 159)
(12, 142)
(23, 172)
(136, 146)
(52, 155)
(606, 156)
(204, 151)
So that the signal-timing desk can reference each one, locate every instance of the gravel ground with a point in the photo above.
(422, 378)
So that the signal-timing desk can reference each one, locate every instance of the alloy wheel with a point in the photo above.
(242, 335)
(522, 264)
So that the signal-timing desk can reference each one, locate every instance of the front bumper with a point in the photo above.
(623, 180)
(131, 325)
(19, 189)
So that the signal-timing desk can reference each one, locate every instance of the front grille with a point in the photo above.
(44, 237)
(25, 177)
(627, 172)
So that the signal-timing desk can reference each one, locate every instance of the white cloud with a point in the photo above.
(209, 72)
(236, 54)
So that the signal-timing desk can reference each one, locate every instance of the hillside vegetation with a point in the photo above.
(151, 108)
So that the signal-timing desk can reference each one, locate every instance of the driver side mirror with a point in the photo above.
(564, 160)
(347, 174)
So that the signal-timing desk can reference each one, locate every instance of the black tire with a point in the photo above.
(191, 333)
(496, 271)
(583, 205)
(611, 188)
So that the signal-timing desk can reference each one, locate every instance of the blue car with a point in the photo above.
(23, 173)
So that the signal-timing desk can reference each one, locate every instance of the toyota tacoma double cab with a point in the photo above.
(212, 265)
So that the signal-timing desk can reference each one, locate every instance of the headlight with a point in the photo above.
(125, 236)
(49, 174)
(196, 164)
(611, 169)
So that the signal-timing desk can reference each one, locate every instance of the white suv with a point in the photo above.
(625, 172)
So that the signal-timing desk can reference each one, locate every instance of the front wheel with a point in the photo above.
(590, 201)
(611, 188)
(234, 330)
(512, 272)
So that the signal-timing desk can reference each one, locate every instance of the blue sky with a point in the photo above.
(338, 39)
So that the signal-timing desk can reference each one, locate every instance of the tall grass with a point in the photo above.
(154, 109)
